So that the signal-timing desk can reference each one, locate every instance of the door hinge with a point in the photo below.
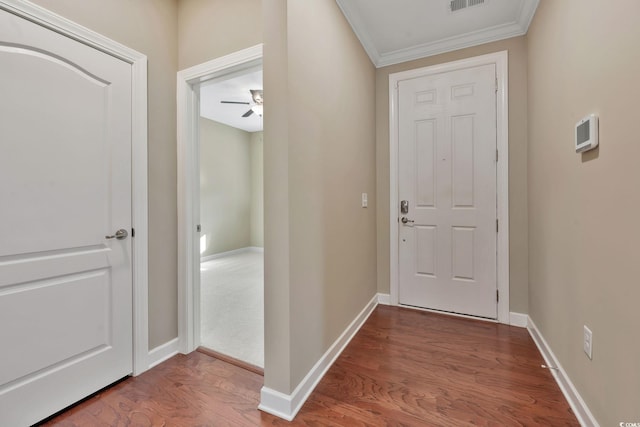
(497, 295)
(133, 232)
(496, 85)
(496, 155)
(497, 226)
(198, 228)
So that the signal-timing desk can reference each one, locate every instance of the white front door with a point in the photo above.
(65, 186)
(447, 176)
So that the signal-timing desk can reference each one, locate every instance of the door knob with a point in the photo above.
(405, 220)
(120, 234)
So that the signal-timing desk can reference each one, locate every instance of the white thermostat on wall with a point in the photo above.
(587, 133)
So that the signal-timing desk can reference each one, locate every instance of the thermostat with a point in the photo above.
(587, 133)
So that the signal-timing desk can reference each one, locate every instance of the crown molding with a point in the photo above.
(474, 38)
(359, 29)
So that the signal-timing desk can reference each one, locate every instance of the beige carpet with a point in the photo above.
(232, 306)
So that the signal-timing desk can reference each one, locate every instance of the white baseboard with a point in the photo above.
(580, 409)
(163, 352)
(286, 406)
(384, 299)
(279, 404)
(233, 252)
(518, 319)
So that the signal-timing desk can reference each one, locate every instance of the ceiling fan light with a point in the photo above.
(256, 95)
(257, 109)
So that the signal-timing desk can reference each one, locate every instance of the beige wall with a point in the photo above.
(257, 190)
(583, 218)
(150, 27)
(277, 308)
(209, 29)
(319, 157)
(225, 187)
(517, 49)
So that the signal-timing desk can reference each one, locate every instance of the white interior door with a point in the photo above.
(447, 175)
(65, 185)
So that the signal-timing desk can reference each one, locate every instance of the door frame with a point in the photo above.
(188, 98)
(139, 214)
(500, 60)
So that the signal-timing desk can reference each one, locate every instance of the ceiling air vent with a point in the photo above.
(456, 5)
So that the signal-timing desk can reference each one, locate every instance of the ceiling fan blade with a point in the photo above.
(234, 102)
(248, 113)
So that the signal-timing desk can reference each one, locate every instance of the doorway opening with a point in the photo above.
(231, 218)
(220, 279)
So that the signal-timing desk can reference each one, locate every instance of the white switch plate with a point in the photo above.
(588, 342)
(365, 202)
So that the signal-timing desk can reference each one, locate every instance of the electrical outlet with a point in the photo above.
(365, 201)
(588, 341)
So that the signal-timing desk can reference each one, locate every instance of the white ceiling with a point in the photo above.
(231, 89)
(391, 31)
(394, 31)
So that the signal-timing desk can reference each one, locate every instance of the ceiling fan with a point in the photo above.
(256, 95)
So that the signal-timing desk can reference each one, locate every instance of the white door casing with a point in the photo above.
(446, 230)
(69, 114)
(447, 174)
(188, 81)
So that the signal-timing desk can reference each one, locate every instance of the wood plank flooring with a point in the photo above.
(239, 363)
(404, 368)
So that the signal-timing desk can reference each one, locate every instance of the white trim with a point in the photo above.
(139, 220)
(518, 319)
(64, 26)
(230, 253)
(578, 405)
(353, 18)
(275, 403)
(384, 299)
(189, 184)
(163, 352)
(487, 35)
(287, 406)
(527, 13)
(500, 59)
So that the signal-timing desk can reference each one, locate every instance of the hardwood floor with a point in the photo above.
(404, 368)
(223, 357)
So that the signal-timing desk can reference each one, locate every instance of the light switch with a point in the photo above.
(365, 202)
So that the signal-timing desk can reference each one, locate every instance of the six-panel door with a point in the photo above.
(447, 173)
